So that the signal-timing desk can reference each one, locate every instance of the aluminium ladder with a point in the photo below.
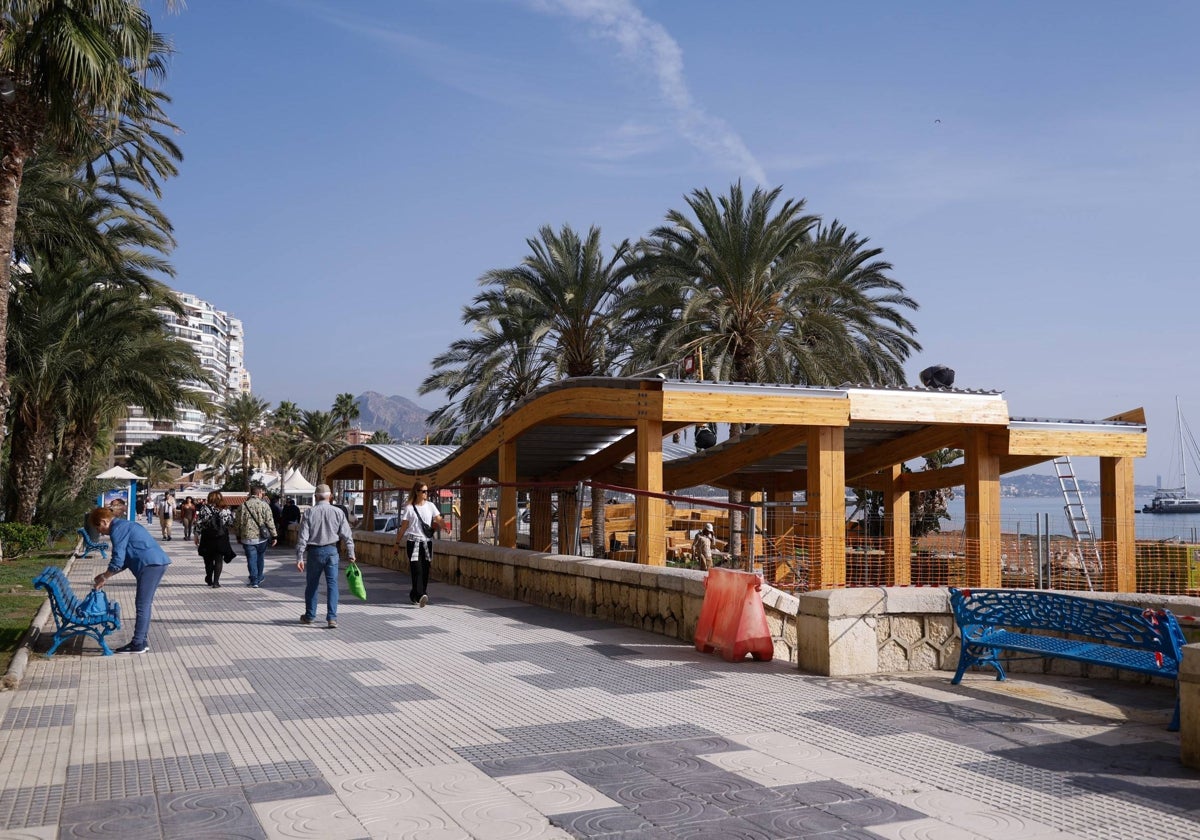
(1077, 518)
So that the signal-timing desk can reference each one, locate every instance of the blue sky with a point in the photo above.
(1030, 169)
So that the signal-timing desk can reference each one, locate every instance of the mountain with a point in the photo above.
(1034, 484)
(402, 418)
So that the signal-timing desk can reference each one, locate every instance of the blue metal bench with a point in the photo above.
(992, 621)
(73, 616)
(89, 546)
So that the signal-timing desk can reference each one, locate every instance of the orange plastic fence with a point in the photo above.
(732, 619)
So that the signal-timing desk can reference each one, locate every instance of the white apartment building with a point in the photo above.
(219, 342)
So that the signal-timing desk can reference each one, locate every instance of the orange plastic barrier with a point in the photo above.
(732, 619)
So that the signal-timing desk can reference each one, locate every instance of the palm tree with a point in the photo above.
(240, 425)
(153, 469)
(568, 289)
(320, 438)
(549, 317)
(83, 81)
(763, 298)
(345, 411)
(381, 436)
(485, 376)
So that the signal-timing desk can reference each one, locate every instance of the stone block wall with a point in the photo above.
(838, 632)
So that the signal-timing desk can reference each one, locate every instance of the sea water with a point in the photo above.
(1022, 513)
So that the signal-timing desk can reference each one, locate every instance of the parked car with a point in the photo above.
(387, 524)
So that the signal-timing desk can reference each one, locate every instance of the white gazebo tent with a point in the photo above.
(128, 493)
(294, 484)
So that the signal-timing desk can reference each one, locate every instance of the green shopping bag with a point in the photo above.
(354, 582)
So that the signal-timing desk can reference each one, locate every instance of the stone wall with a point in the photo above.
(837, 632)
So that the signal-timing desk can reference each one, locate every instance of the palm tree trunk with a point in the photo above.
(80, 449)
(11, 170)
(30, 460)
(598, 538)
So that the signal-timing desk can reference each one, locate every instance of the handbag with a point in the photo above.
(354, 582)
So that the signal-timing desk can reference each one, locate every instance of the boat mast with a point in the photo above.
(1182, 453)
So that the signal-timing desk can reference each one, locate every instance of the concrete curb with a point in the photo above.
(16, 669)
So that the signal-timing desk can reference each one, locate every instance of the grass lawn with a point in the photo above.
(19, 601)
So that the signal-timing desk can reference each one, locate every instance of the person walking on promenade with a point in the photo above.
(187, 515)
(256, 532)
(317, 554)
(166, 514)
(133, 549)
(419, 519)
(214, 521)
(290, 514)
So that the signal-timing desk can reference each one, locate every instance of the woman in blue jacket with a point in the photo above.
(134, 549)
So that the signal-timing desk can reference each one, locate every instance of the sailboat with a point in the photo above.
(1178, 500)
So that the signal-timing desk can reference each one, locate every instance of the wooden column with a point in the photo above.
(650, 512)
(368, 499)
(781, 528)
(1117, 533)
(541, 537)
(983, 511)
(568, 521)
(826, 493)
(897, 528)
(468, 527)
(506, 514)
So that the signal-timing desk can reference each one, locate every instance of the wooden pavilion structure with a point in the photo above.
(819, 440)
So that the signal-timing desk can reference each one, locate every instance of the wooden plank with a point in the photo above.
(923, 407)
(1054, 443)
(1134, 415)
(770, 409)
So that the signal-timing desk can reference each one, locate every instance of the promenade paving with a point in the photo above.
(480, 717)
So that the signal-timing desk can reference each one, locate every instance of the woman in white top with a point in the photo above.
(418, 521)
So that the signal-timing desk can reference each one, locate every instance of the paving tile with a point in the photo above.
(484, 718)
(556, 792)
(318, 817)
(211, 813)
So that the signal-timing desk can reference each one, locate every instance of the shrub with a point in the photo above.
(19, 540)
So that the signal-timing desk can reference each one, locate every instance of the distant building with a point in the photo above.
(219, 343)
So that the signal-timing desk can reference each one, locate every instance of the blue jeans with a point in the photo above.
(321, 560)
(256, 554)
(147, 582)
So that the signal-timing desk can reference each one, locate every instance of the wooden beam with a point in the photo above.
(928, 407)
(902, 449)
(469, 510)
(613, 454)
(826, 500)
(769, 409)
(732, 457)
(1055, 442)
(568, 521)
(897, 528)
(650, 511)
(1117, 525)
(983, 511)
(1134, 415)
(506, 515)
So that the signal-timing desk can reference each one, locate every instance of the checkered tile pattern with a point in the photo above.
(482, 718)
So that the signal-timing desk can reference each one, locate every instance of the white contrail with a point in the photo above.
(643, 41)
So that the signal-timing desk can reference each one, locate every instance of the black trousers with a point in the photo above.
(420, 555)
(213, 564)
